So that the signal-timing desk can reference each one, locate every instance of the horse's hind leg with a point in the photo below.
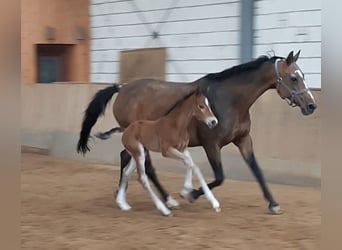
(150, 171)
(140, 160)
(125, 158)
(121, 194)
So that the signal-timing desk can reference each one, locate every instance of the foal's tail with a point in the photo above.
(106, 135)
(95, 109)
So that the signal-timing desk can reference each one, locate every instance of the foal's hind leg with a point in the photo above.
(121, 194)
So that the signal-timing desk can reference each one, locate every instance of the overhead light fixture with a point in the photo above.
(80, 33)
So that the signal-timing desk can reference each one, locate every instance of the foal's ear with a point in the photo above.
(198, 91)
(295, 58)
(289, 58)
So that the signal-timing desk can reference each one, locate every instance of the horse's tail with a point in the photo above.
(106, 135)
(95, 109)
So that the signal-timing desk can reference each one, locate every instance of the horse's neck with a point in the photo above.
(254, 85)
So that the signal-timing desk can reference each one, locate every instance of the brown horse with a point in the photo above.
(168, 135)
(231, 93)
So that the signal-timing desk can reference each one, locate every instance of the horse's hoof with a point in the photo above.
(191, 198)
(275, 209)
(171, 203)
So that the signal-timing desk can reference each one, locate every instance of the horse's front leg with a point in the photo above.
(245, 146)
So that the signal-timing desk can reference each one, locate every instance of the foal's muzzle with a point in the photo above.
(211, 123)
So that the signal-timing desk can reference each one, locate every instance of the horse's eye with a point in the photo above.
(293, 78)
(201, 106)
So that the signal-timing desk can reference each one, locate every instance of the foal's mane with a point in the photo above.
(241, 68)
(179, 102)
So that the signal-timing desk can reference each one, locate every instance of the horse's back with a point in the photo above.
(147, 99)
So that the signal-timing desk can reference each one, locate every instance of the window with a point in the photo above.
(53, 62)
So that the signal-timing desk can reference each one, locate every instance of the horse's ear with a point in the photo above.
(289, 58)
(295, 58)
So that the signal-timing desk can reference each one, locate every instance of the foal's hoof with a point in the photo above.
(274, 208)
(185, 192)
(171, 203)
(217, 210)
(124, 207)
(168, 215)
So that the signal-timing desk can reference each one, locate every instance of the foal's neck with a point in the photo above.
(181, 116)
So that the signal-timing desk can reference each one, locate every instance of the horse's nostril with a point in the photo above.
(312, 107)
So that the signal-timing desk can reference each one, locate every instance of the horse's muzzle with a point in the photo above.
(309, 109)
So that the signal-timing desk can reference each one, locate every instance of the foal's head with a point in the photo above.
(291, 84)
(202, 110)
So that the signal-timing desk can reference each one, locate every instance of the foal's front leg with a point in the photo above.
(187, 183)
(188, 162)
(140, 161)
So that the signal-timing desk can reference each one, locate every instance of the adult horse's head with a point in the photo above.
(202, 110)
(291, 84)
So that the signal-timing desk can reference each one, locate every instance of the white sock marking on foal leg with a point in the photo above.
(121, 195)
(208, 194)
(188, 177)
(144, 181)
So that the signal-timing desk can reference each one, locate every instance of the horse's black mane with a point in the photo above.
(233, 71)
(242, 68)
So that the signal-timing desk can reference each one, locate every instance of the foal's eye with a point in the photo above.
(201, 106)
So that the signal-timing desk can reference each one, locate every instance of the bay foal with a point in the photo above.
(168, 135)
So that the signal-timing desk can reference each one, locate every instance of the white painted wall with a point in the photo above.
(288, 25)
(201, 36)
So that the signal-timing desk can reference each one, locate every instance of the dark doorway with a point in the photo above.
(53, 62)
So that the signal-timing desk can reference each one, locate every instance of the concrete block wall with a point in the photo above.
(287, 144)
